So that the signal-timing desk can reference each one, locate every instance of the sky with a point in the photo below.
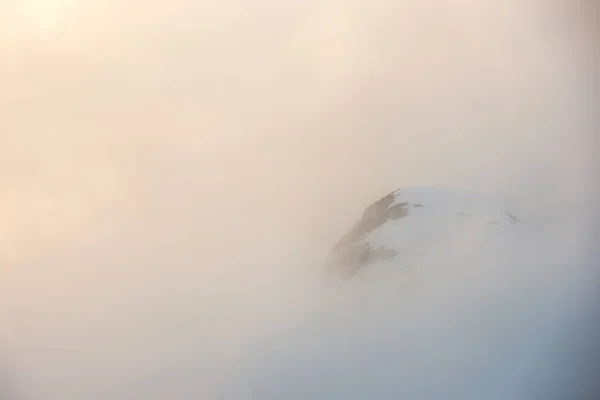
(166, 165)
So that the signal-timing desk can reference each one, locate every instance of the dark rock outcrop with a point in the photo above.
(352, 255)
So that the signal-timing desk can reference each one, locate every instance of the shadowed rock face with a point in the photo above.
(358, 248)
(353, 254)
(514, 219)
(355, 257)
(374, 216)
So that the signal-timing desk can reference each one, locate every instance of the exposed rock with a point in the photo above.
(513, 219)
(353, 255)
(397, 211)
(353, 258)
(374, 216)
(361, 246)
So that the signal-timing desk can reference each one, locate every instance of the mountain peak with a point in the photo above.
(410, 221)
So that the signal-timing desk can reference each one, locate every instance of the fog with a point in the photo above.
(173, 172)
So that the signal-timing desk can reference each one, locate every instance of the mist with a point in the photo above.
(174, 173)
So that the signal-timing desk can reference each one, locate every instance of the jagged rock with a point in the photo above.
(370, 241)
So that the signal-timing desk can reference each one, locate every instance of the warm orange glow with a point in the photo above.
(47, 14)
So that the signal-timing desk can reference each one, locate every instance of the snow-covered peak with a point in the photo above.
(409, 223)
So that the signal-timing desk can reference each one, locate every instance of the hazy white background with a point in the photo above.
(164, 165)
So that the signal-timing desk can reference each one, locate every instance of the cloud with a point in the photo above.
(167, 168)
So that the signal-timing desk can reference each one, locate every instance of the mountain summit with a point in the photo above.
(407, 224)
